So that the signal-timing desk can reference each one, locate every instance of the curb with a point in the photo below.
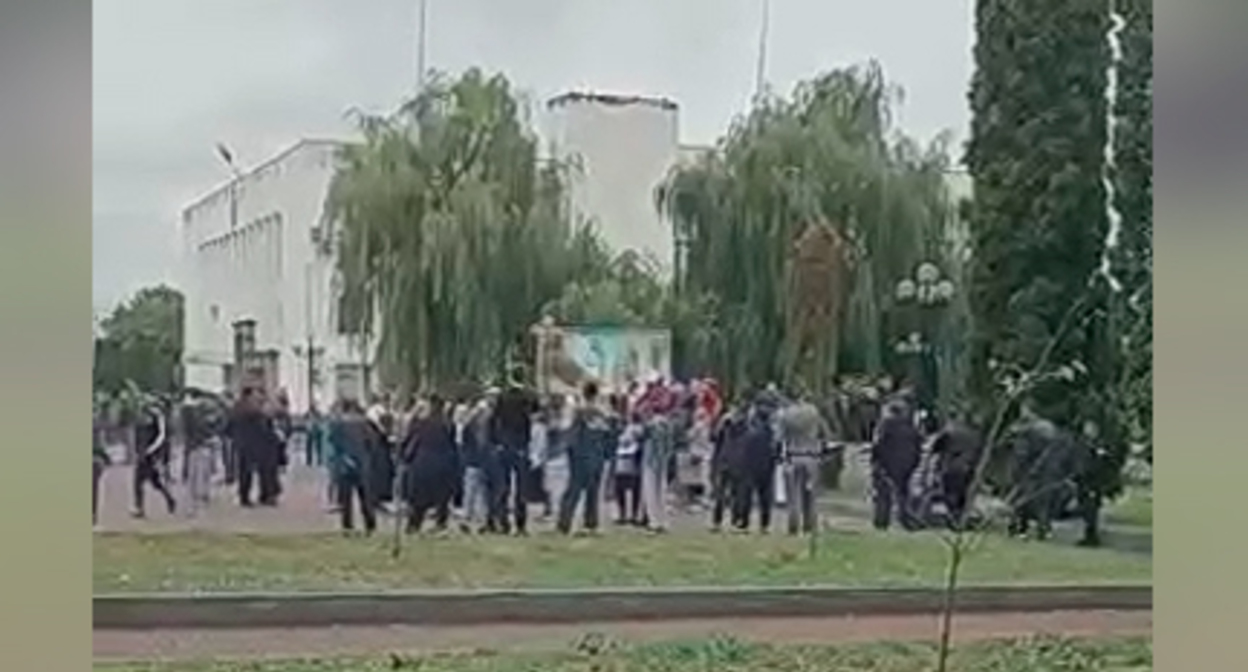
(490, 607)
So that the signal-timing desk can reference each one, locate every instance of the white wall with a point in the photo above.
(266, 269)
(625, 148)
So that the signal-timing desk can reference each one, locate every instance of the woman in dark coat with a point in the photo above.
(430, 462)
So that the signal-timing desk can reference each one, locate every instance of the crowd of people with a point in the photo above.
(481, 461)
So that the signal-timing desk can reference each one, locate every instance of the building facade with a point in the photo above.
(619, 149)
(254, 250)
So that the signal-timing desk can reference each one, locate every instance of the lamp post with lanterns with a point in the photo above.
(927, 294)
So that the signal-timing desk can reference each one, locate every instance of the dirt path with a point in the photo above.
(199, 644)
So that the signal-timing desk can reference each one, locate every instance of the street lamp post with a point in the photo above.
(929, 291)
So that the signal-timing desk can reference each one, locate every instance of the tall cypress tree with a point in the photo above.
(1133, 183)
(1039, 222)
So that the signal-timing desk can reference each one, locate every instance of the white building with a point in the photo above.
(620, 148)
(253, 249)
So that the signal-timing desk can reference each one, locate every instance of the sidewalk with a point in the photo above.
(185, 645)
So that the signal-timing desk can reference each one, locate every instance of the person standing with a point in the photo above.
(257, 445)
(153, 445)
(229, 451)
(430, 459)
(350, 438)
(201, 430)
(314, 438)
(383, 468)
(588, 447)
(626, 472)
(474, 450)
(803, 434)
(511, 427)
(99, 462)
(544, 435)
(656, 454)
(895, 453)
(284, 428)
(755, 477)
(957, 449)
(726, 459)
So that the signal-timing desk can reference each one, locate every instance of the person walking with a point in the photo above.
(152, 441)
(896, 451)
(588, 447)
(350, 446)
(957, 448)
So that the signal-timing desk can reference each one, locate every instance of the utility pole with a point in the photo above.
(760, 73)
(228, 157)
(421, 42)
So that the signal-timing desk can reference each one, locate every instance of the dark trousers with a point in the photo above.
(97, 471)
(259, 471)
(954, 487)
(430, 495)
(628, 497)
(428, 485)
(537, 493)
(757, 484)
(1037, 505)
(889, 491)
(382, 469)
(507, 477)
(229, 461)
(722, 489)
(584, 483)
(352, 487)
(147, 471)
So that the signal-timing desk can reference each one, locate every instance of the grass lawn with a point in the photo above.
(726, 655)
(188, 562)
(1134, 508)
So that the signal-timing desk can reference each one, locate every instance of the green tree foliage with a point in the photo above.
(453, 235)
(140, 342)
(826, 153)
(1039, 220)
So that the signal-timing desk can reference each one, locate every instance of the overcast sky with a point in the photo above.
(173, 77)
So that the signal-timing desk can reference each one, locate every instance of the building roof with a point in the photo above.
(610, 99)
(259, 168)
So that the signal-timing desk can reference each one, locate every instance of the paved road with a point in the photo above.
(168, 645)
(304, 508)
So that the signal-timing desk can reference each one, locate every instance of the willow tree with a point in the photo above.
(826, 153)
(452, 233)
